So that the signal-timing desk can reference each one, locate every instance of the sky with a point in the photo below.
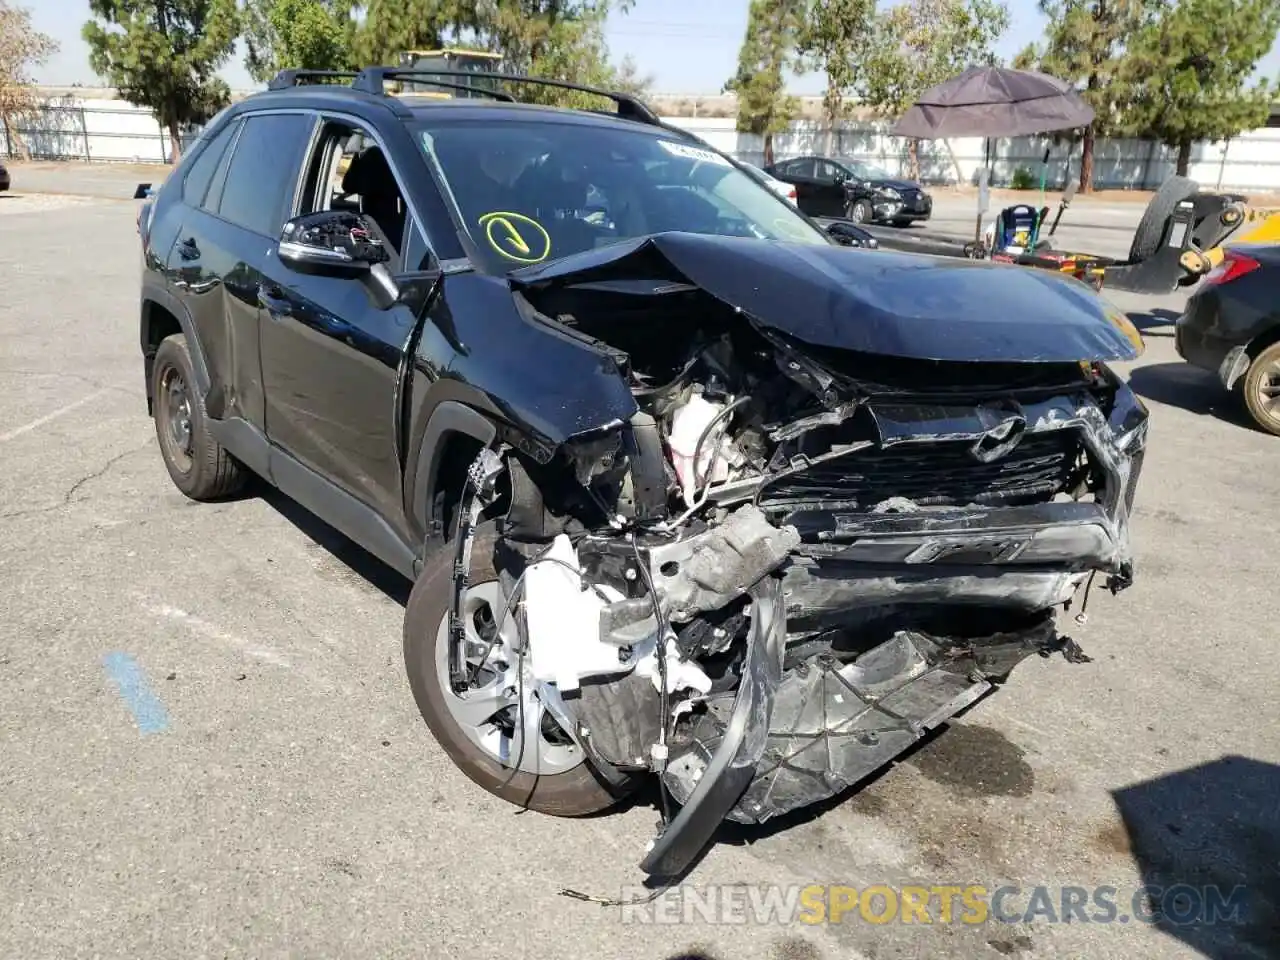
(687, 47)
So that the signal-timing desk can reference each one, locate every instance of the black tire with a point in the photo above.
(1150, 233)
(201, 469)
(1254, 384)
(573, 793)
(859, 211)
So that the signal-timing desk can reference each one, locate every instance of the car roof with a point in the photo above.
(498, 111)
(414, 107)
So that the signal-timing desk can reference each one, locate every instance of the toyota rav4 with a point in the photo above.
(686, 488)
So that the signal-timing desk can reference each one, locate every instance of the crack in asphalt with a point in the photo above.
(69, 497)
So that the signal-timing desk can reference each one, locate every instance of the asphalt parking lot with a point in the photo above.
(274, 791)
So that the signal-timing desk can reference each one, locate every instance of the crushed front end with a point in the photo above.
(796, 560)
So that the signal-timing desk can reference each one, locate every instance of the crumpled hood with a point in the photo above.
(899, 185)
(898, 304)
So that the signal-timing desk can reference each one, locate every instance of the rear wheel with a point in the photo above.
(497, 732)
(197, 463)
(1261, 385)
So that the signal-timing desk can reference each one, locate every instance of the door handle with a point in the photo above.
(272, 298)
(188, 250)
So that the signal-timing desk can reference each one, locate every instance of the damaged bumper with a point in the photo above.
(803, 727)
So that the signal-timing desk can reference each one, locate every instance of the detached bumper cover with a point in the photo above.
(728, 769)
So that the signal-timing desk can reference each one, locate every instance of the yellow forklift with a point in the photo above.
(446, 58)
(451, 59)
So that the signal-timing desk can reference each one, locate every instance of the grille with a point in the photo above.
(936, 474)
(913, 199)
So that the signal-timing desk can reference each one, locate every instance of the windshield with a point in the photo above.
(532, 192)
(868, 171)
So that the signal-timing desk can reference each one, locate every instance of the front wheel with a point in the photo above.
(859, 211)
(497, 733)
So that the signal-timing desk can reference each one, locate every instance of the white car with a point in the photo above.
(787, 190)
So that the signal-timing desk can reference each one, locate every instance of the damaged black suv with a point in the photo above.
(685, 487)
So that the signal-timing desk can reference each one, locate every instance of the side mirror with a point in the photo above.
(848, 235)
(330, 243)
(143, 192)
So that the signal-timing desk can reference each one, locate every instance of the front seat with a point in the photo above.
(370, 178)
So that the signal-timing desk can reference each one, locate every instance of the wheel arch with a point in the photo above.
(162, 315)
(1263, 340)
(454, 434)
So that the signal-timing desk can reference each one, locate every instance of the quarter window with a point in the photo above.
(200, 173)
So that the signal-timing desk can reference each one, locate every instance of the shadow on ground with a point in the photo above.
(1154, 323)
(343, 550)
(1206, 841)
(1191, 389)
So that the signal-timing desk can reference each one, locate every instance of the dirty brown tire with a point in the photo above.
(1150, 233)
(1261, 386)
(573, 793)
(197, 463)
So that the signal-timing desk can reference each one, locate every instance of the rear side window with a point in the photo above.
(196, 184)
(264, 171)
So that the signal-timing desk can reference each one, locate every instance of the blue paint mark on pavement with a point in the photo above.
(148, 712)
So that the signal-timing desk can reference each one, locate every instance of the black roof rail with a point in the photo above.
(373, 80)
(491, 94)
(286, 79)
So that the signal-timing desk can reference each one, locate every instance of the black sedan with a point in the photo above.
(1231, 326)
(858, 191)
(4, 177)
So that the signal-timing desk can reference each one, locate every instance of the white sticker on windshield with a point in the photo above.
(693, 153)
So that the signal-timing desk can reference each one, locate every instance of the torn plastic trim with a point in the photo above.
(733, 765)
(833, 724)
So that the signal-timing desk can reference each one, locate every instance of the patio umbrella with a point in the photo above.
(994, 102)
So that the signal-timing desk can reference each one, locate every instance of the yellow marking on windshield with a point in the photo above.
(790, 229)
(516, 236)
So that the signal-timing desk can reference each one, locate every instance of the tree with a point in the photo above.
(165, 55)
(390, 27)
(1085, 44)
(307, 34)
(560, 40)
(833, 37)
(550, 39)
(1187, 73)
(920, 43)
(21, 48)
(767, 52)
